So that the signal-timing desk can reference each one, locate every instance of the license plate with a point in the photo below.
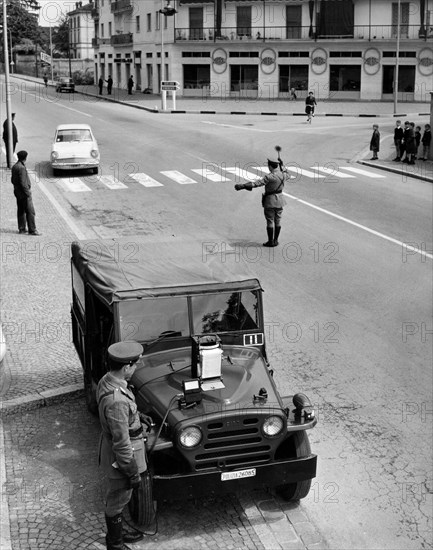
(240, 474)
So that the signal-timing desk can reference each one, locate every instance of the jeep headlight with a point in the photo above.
(273, 425)
(190, 437)
(94, 153)
(54, 155)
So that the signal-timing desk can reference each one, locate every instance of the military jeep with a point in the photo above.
(220, 424)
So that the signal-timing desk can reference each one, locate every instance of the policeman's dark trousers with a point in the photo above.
(25, 213)
(7, 152)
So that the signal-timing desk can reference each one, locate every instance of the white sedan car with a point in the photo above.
(74, 148)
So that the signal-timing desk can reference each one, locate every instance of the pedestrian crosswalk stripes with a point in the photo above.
(363, 172)
(332, 172)
(178, 177)
(209, 175)
(325, 173)
(303, 172)
(145, 179)
(112, 183)
(75, 185)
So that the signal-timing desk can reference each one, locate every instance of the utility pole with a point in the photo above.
(9, 149)
(397, 55)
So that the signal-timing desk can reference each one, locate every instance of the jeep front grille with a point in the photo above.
(234, 442)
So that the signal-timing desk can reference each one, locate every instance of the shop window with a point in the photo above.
(345, 78)
(244, 77)
(293, 76)
(196, 76)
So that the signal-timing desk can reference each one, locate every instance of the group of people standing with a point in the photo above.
(407, 142)
(109, 82)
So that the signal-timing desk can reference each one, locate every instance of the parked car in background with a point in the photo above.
(65, 84)
(74, 148)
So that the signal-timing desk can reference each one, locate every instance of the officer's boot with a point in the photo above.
(130, 534)
(277, 233)
(114, 538)
(270, 231)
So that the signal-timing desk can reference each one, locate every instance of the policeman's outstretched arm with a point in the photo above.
(248, 186)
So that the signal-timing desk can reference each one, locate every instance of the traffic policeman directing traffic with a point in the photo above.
(122, 452)
(273, 200)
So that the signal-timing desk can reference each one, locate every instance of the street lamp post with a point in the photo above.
(9, 148)
(166, 11)
(397, 55)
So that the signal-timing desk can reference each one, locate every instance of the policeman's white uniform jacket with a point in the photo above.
(122, 433)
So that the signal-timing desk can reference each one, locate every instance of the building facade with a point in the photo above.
(340, 49)
(81, 31)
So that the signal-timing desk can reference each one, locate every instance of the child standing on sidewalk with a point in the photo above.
(375, 142)
(426, 140)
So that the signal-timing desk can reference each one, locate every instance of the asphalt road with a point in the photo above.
(348, 303)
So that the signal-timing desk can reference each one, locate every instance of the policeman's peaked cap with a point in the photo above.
(125, 352)
(273, 163)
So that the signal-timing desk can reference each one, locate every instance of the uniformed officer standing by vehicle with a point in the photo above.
(273, 200)
(122, 452)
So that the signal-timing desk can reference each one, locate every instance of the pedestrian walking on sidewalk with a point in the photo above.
(23, 194)
(109, 82)
(293, 95)
(425, 141)
(310, 104)
(122, 452)
(130, 84)
(375, 142)
(398, 137)
(46, 80)
(273, 200)
(6, 139)
(100, 85)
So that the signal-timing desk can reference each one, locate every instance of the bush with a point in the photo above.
(83, 77)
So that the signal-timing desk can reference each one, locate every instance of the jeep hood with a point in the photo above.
(244, 373)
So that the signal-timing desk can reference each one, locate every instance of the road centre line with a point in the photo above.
(360, 226)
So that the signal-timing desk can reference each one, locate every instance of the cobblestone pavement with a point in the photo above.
(55, 496)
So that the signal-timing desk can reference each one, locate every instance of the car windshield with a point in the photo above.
(73, 135)
(147, 319)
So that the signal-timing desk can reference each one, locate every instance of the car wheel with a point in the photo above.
(90, 395)
(141, 505)
(296, 491)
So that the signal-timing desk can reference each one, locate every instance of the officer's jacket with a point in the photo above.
(274, 186)
(119, 421)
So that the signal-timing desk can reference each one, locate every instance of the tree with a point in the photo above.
(60, 37)
(21, 23)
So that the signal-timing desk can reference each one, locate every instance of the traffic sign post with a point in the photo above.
(169, 86)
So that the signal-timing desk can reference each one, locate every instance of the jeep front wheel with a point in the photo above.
(296, 491)
(141, 503)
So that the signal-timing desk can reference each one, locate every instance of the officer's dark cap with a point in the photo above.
(273, 163)
(125, 352)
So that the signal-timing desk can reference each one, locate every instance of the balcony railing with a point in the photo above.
(100, 41)
(121, 5)
(359, 32)
(121, 39)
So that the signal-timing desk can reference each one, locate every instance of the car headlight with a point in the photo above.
(190, 437)
(95, 153)
(273, 425)
(54, 155)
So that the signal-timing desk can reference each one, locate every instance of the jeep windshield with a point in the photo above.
(149, 318)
